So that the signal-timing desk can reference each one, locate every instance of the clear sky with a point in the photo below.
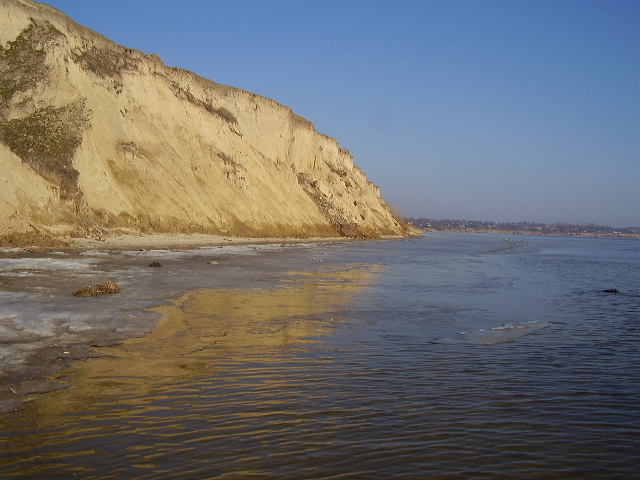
(503, 110)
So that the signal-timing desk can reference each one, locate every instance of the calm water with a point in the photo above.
(478, 356)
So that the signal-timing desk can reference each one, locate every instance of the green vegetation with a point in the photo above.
(22, 61)
(47, 140)
(106, 63)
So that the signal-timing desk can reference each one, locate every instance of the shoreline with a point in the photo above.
(167, 241)
(40, 373)
(182, 241)
(155, 241)
(533, 234)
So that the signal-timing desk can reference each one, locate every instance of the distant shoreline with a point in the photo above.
(557, 229)
(537, 234)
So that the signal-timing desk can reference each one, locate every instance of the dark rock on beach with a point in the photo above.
(99, 289)
(155, 264)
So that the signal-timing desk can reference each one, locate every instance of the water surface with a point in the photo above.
(478, 356)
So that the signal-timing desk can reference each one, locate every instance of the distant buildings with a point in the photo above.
(525, 228)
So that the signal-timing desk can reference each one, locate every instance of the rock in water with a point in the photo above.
(100, 289)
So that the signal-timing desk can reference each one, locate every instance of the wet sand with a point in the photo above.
(197, 328)
(51, 358)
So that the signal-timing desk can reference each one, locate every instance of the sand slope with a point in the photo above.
(96, 138)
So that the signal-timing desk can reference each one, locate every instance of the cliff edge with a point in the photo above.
(96, 138)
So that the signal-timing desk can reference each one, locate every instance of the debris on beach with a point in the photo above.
(154, 264)
(99, 289)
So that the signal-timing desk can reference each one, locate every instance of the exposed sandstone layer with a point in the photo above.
(98, 138)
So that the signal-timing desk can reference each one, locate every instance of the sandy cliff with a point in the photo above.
(96, 138)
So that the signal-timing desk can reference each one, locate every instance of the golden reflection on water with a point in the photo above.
(205, 323)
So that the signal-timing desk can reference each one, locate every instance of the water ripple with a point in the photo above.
(352, 382)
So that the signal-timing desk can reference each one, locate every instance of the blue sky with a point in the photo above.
(489, 110)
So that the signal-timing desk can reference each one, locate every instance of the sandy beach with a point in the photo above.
(164, 241)
(181, 241)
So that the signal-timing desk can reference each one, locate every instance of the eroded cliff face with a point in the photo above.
(95, 138)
